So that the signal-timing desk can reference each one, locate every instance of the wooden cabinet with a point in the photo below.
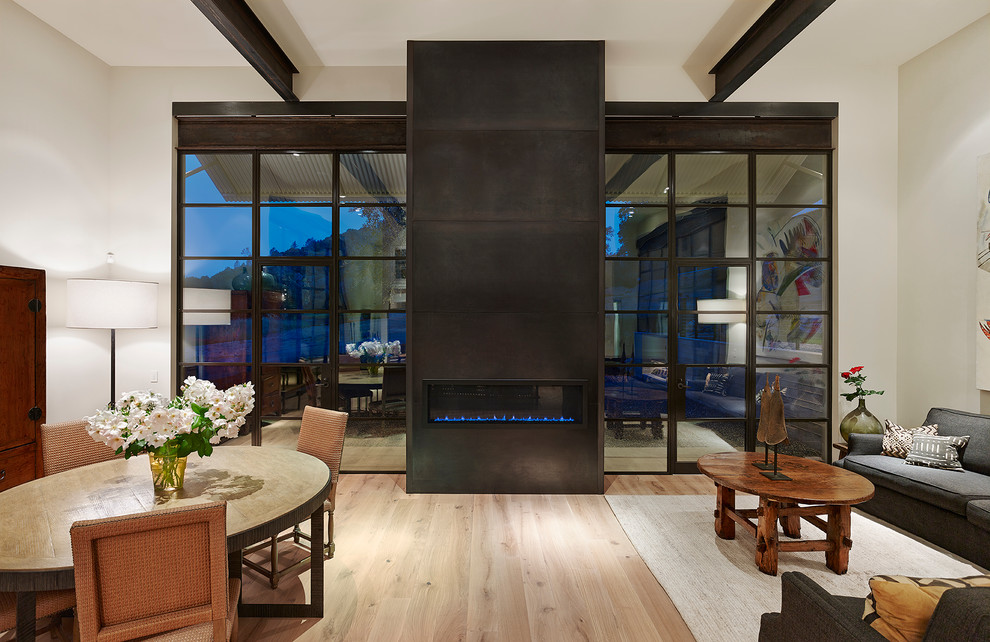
(22, 373)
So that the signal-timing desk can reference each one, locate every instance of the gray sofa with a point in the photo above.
(948, 508)
(809, 613)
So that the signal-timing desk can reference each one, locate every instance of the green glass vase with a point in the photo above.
(859, 420)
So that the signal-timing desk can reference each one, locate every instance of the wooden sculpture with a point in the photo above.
(772, 430)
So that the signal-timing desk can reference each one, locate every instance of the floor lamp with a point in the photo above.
(113, 305)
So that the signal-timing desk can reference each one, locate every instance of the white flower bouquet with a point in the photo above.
(194, 421)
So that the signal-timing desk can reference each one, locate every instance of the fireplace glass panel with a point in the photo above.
(515, 402)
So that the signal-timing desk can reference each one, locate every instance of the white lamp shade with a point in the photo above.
(205, 299)
(100, 303)
(721, 310)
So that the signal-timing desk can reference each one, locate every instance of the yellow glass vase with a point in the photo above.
(167, 470)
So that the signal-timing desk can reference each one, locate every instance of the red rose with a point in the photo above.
(845, 375)
(856, 369)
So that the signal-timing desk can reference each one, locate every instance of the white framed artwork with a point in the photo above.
(983, 273)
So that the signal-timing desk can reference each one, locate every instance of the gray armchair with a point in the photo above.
(809, 613)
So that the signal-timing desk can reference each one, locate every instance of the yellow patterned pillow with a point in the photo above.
(899, 607)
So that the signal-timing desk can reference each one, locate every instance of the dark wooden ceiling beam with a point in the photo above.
(778, 25)
(241, 27)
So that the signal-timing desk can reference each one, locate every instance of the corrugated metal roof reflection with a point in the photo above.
(231, 175)
(775, 174)
(710, 177)
(372, 177)
(636, 178)
(295, 178)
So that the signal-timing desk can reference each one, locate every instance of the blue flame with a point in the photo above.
(505, 419)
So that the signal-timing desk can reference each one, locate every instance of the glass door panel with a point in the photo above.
(636, 418)
(711, 351)
(637, 295)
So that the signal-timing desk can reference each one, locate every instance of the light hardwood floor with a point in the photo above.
(480, 567)
(508, 568)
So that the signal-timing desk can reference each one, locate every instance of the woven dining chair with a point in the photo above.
(160, 575)
(68, 445)
(47, 603)
(321, 435)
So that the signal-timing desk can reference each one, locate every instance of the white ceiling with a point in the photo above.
(638, 33)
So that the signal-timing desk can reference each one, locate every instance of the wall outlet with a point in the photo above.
(154, 376)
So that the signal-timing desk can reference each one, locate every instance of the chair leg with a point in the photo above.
(330, 544)
(233, 629)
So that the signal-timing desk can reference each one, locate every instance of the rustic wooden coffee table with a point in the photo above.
(822, 489)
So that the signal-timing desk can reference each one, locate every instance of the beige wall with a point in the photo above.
(55, 180)
(944, 107)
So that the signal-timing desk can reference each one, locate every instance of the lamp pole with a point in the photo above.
(113, 369)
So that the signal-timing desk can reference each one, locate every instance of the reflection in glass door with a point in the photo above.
(716, 278)
(294, 277)
(637, 277)
(711, 349)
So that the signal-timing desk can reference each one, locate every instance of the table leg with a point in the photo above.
(766, 536)
(791, 524)
(725, 503)
(317, 562)
(839, 529)
(235, 569)
(316, 578)
(25, 616)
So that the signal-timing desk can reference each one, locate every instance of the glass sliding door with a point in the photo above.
(711, 349)
(711, 227)
(637, 277)
(293, 271)
(793, 319)
(715, 279)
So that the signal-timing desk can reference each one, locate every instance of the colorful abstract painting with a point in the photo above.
(983, 274)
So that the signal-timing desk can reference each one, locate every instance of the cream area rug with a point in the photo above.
(715, 584)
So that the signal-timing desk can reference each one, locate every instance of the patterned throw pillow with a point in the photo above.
(899, 607)
(937, 451)
(897, 440)
(717, 383)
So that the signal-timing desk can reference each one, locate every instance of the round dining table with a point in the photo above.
(267, 490)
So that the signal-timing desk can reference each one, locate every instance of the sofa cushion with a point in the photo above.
(897, 440)
(937, 451)
(978, 513)
(976, 455)
(947, 489)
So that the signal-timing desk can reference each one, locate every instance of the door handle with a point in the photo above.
(681, 385)
(3, 474)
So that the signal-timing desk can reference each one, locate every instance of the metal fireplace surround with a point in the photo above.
(505, 220)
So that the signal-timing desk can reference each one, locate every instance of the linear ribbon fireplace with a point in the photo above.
(509, 402)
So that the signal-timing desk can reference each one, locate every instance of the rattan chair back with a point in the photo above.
(321, 435)
(153, 573)
(68, 445)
